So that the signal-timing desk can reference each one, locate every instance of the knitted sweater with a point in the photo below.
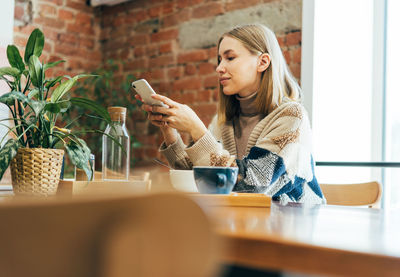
(278, 160)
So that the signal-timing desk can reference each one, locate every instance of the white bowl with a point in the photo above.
(183, 180)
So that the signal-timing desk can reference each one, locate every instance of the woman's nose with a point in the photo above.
(220, 68)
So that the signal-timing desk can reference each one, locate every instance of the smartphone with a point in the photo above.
(145, 91)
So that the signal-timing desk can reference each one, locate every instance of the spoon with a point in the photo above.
(161, 163)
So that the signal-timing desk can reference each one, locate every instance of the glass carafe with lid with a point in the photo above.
(115, 162)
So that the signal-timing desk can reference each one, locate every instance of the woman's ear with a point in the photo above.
(263, 62)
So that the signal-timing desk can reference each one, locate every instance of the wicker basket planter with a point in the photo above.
(36, 171)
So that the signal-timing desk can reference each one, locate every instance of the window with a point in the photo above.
(353, 47)
(6, 37)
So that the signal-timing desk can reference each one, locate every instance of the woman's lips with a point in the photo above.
(223, 81)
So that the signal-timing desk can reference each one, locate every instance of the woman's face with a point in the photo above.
(237, 68)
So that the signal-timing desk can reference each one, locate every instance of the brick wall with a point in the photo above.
(71, 30)
(157, 40)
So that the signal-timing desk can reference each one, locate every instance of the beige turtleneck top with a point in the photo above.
(245, 122)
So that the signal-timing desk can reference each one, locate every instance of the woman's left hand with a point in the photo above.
(180, 117)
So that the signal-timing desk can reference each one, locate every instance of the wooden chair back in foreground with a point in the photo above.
(362, 194)
(147, 235)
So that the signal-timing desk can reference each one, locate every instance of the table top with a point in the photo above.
(312, 239)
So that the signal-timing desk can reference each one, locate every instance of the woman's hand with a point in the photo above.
(178, 116)
(170, 135)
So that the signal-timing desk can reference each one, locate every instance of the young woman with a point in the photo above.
(260, 121)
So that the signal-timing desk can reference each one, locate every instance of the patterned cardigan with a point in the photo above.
(278, 160)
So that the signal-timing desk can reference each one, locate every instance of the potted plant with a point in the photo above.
(36, 104)
(110, 90)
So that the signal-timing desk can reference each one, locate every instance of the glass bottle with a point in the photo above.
(115, 161)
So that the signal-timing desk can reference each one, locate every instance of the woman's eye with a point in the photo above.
(230, 58)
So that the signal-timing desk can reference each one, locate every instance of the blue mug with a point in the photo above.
(215, 179)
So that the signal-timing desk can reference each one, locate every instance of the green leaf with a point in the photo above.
(10, 97)
(37, 106)
(11, 71)
(79, 155)
(52, 107)
(7, 153)
(35, 45)
(50, 65)
(14, 58)
(35, 71)
(52, 82)
(64, 87)
(61, 106)
(92, 106)
(33, 93)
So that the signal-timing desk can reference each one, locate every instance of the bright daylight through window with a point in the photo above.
(355, 112)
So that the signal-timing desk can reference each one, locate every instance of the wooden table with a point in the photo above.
(329, 240)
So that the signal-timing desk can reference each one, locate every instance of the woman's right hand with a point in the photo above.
(170, 134)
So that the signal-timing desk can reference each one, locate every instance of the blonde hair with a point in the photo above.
(276, 81)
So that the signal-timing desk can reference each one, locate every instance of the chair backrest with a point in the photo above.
(362, 194)
(148, 235)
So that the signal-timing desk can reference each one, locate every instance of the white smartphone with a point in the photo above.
(145, 91)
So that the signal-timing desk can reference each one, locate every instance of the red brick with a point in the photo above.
(297, 55)
(190, 69)
(204, 110)
(165, 48)
(47, 10)
(175, 18)
(164, 35)
(26, 30)
(145, 75)
(240, 4)
(80, 29)
(286, 54)
(293, 38)
(139, 51)
(87, 42)
(187, 84)
(65, 15)
(188, 98)
(50, 22)
(139, 16)
(118, 21)
(19, 12)
(174, 72)
(68, 38)
(57, 2)
(193, 56)
(296, 70)
(168, 8)
(206, 68)
(64, 49)
(161, 61)
(204, 96)
(213, 53)
(211, 82)
(136, 64)
(155, 11)
(186, 3)
(140, 39)
(157, 74)
(207, 10)
(20, 42)
(83, 19)
(50, 34)
(281, 40)
(78, 5)
(152, 50)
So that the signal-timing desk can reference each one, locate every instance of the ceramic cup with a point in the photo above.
(213, 179)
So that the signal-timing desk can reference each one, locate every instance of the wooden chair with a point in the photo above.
(148, 235)
(362, 194)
